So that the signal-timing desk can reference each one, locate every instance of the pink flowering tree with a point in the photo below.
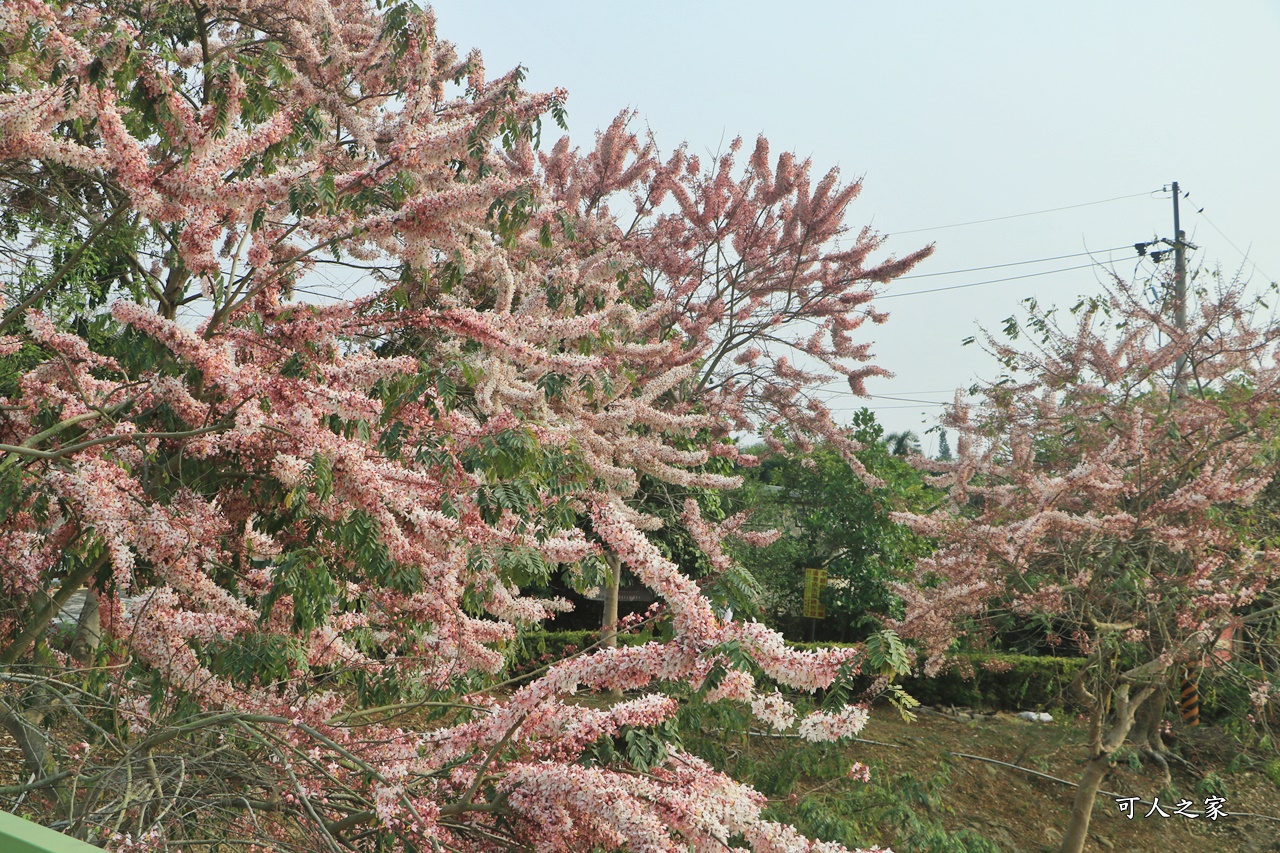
(261, 558)
(1094, 492)
(752, 268)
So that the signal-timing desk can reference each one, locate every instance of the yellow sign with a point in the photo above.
(814, 581)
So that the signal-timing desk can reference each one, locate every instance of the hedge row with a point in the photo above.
(979, 680)
(992, 681)
(987, 681)
(999, 682)
(536, 648)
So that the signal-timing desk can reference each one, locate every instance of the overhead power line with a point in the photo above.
(988, 281)
(913, 408)
(1243, 254)
(1014, 263)
(1018, 215)
(837, 392)
(910, 400)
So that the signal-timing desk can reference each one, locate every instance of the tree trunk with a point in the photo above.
(88, 630)
(1099, 762)
(609, 623)
(1146, 732)
(24, 720)
(1095, 770)
(1146, 725)
(46, 608)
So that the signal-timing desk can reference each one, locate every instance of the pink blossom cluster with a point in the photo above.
(774, 710)
(329, 478)
(742, 256)
(821, 726)
(1100, 485)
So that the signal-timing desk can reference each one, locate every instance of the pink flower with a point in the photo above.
(860, 772)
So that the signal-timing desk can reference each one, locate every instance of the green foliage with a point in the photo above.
(1127, 756)
(360, 539)
(252, 659)
(520, 472)
(533, 649)
(809, 787)
(997, 681)
(831, 519)
(852, 813)
(1212, 785)
(944, 447)
(903, 443)
(1225, 691)
(887, 654)
(921, 832)
(303, 574)
(730, 656)
(1000, 682)
(667, 502)
(738, 588)
(638, 748)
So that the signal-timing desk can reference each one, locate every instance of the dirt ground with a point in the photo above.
(1024, 813)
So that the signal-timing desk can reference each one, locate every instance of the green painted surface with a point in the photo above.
(23, 836)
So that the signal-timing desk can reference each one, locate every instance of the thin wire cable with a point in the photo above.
(910, 400)
(912, 408)
(981, 283)
(833, 396)
(841, 389)
(1013, 263)
(1019, 215)
(836, 392)
(1243, 254)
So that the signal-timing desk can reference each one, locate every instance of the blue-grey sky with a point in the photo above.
(951, 112)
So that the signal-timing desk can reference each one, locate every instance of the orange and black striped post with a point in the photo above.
(1189, 704)
(1221, 652)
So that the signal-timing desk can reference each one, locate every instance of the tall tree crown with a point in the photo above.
(298, 522)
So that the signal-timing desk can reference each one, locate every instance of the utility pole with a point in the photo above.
(1179, 246)
(1179, 270)
(1179, 290)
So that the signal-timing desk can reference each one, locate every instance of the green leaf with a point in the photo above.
(887, 654)
(302, 574)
